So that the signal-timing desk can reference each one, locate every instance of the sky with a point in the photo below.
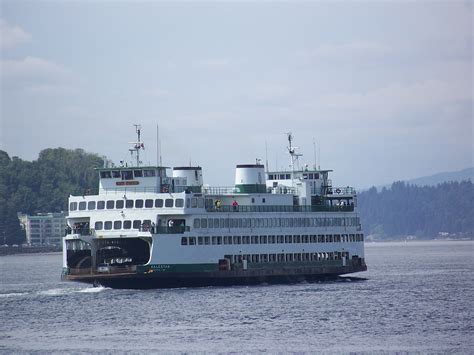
(383, 89)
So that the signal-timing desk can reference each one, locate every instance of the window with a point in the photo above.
(253, 200)
(179, 202)
(110, 204)
(138, 203)
(82, 206)
(148, 203)
(127, 175)
(169, 202)
(197, 223)
(200, 203)
(105, 175)
(118, 225)
(270, 177)
(116, 174)
(263, 200)
(148, 173)
(184, 241)
(200, 240)
(108, 225)
(203, 223)
(98, 226)
(91, 205)
(207, 240)
(137, 224)
(194, 202)
(311, 176)
(73, 206)
(128, 203)
(159, 202)
(127, 224)
(137, 173)
(237, 240)
(287, 176)
(119, 204)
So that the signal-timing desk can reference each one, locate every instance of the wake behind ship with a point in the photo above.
(145, 229)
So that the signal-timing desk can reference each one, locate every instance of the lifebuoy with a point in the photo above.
(338, 191)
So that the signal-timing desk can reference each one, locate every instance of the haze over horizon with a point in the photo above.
(385, 89)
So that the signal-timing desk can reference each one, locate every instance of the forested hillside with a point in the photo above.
(424, 211)
(43, 185)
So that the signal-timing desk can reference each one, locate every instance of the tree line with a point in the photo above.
(422, 211)
(42, 185)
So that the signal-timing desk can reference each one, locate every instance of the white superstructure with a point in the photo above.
(144, 226)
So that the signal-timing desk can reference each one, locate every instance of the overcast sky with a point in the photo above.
(384, 88)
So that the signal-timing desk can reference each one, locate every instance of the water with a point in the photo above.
(418, 297)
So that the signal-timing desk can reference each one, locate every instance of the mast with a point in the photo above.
(293, 155)
(138, 145)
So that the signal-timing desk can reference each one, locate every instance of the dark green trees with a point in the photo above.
(422, 211)
(43, 185)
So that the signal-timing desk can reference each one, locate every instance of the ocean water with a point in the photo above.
(416, 297)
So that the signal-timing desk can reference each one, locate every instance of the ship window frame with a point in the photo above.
(127, 224)
(98, 225)
(117, 224)
(194, 202)
(105, 175)
(149, 203)
(158, 202)
(110, 204)
(200, 202)
(140, 173)
(91, 205)
(203, 222)
(179, 202)
(139, 203)
(119, 204)
(184, 241)
(73, 206)
(200, 241)
(197, 223)
(169, 203)
(136, 224)
(108, 225)
(126, 174)
(207, 240)
(82, 206)
(129, 203)
(116, 174)
(149, 173)
(101, 205)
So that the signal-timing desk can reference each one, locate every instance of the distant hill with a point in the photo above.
(433, 180)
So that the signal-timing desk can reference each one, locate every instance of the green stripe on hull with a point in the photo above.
(177, 268)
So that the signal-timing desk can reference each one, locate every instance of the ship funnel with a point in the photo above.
(190, 176)
(250, 178)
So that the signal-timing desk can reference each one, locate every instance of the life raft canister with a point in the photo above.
(338, 191)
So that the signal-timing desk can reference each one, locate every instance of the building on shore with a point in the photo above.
(44, 228)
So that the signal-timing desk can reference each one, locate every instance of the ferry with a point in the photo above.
(157, 227)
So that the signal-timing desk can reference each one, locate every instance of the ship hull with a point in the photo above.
(218, 278)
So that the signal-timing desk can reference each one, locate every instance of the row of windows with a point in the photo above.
(120, 204)
(272, 239)
(109, 225)
(306, 176)
(127, 174)
(275, 222)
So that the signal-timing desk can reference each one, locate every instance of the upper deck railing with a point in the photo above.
(270, 208)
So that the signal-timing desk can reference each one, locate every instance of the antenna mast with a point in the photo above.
(138, 145)
(294, 156)
(266, 155)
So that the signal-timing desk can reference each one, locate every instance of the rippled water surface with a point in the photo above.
(417, 297)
